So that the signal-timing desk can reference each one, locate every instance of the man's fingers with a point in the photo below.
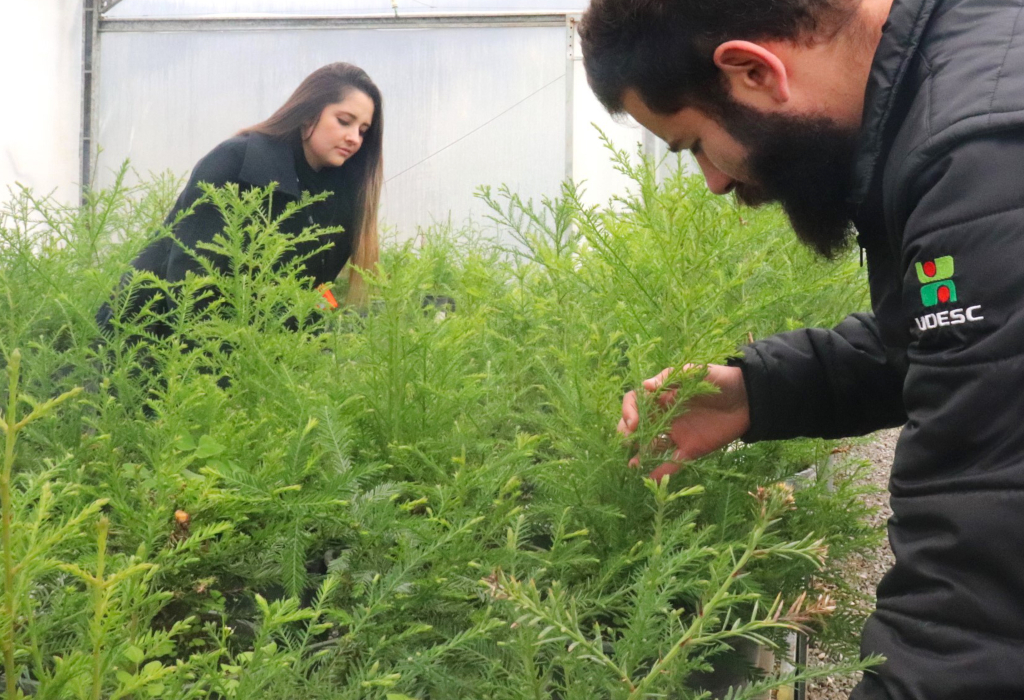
(664, 469)
(631, 419)
(660, 445)
(668, 399)
(630, 414)
(670, 467)
(657, 381)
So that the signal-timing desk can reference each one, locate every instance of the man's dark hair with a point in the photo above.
(664, 49)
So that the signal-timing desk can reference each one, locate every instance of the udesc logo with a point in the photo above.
(939, 289)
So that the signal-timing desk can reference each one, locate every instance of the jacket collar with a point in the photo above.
(901, 37)
(267, 160)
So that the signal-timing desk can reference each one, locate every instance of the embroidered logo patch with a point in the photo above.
(936, 276)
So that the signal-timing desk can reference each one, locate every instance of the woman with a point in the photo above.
(326, 138)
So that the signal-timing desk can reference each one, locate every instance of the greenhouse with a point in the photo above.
(511, 349)
(478, 93)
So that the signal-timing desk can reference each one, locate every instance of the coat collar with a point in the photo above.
(901, 37)
(268, 160)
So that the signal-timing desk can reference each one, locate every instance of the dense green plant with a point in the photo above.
(406, 501)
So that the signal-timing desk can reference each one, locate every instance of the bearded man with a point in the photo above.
(899, 123)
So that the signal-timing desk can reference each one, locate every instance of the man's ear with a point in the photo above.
(753, 70)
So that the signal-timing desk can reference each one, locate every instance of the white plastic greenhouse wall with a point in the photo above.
(40, 95)
(477, 92)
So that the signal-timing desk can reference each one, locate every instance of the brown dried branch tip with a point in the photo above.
(800, 615)
(494, 587)
(774, 499)
(821, 551)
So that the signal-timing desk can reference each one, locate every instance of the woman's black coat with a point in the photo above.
(251, 160)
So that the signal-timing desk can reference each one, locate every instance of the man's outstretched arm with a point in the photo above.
(823, 383)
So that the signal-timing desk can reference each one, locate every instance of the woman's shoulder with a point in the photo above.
(223, 163)
(269, 159)
(252, 159)
(230, 152)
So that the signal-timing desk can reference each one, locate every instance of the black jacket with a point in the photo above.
(938, 201)
(252, 160)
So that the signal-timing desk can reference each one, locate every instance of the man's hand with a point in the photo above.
(711, 421)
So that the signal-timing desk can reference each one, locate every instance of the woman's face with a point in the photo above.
(338, 133)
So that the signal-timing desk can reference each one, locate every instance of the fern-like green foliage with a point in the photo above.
(402, 501)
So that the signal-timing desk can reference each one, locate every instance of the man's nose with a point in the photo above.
(718, 182)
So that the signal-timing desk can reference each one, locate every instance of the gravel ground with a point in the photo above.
(865, 572)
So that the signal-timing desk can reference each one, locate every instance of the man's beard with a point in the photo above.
(803, 163)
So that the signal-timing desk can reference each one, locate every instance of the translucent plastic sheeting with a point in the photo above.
(464, 107)
(594, 131)
(41, 96)
(335, 8)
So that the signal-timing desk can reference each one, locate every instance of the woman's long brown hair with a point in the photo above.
(322, 87)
